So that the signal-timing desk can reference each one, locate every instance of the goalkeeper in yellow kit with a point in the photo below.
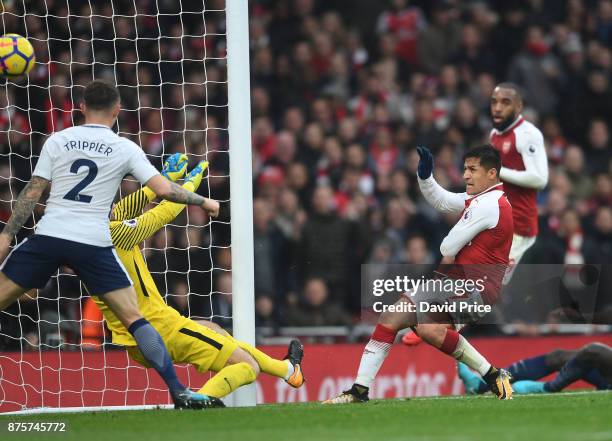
(202, 344)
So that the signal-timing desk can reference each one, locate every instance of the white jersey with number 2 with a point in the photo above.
(85, 165)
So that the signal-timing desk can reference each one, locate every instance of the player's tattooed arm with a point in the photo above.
(24, 205)
(175, 193)
(179, 195)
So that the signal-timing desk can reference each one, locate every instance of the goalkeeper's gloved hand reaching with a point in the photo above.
(194, 177)
(192, 182)
(175, 167)
(425, 166)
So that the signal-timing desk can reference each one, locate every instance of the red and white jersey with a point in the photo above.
(481, 239)
(524, 171)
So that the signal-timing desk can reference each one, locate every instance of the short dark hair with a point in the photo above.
(512, 86)
(100, 95)
(489, 157)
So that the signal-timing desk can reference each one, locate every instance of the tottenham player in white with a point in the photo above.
(524, 164)
(85, 166)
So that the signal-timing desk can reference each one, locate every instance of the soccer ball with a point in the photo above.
(16, 55)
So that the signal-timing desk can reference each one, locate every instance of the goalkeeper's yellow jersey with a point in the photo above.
(128, 230)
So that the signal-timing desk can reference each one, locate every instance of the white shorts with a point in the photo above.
(520, 245)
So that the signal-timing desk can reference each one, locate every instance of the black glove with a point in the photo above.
(425, 163)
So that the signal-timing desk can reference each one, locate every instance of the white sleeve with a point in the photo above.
(140, 167)
(481, 215)
(530, 146)
(441, 199)
(44, 166)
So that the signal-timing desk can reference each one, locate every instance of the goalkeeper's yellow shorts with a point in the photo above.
(191, 343)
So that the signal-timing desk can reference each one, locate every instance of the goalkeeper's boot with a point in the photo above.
(295, 353)
(499, 383)
(356, 394)
(529, 387)
(187, 399)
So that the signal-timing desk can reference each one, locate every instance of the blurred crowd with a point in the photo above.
(341, 94)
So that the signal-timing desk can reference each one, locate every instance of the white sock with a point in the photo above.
(290, 369)
(466, 353)
(374, 355)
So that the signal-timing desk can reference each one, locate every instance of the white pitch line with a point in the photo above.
(47, 410)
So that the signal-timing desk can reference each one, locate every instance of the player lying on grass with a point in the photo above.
(480, 239)
(201, 344)
(591, 363)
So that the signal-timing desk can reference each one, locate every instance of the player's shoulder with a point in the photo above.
(72, 131)
(129, 144)
(61, 134)
(529, 127)
(56, 140)
(489, 200)
(528, 130)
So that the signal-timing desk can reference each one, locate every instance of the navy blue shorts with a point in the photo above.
(31, 263)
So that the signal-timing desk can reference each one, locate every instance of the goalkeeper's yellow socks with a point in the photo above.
(268, 365)
(228, 380)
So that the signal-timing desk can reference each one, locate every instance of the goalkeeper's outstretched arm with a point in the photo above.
(132, 205)
(127, 234)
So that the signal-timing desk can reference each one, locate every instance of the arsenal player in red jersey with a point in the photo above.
(524, 164)
(478, 244)
(524, 171)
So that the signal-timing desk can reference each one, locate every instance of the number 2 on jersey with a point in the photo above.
(73, 195)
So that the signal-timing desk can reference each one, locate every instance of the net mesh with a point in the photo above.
(168, 61)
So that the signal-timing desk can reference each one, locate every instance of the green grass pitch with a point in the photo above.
(574, 416)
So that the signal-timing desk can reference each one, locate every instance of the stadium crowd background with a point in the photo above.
(342, 93)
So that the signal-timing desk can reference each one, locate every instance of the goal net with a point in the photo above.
(168, 59)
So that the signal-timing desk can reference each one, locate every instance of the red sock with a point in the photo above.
(384, 334)
(450, 342)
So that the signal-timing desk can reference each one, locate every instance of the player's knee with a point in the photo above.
(396, 321)
(129, 317)
(248, 372)
(9, 291)
(590, 353)
(241, 356)
(433, 334)
(254, 365)
(124, 304)
(558, 358)
(388, 323)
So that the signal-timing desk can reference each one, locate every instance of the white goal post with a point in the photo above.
(241, 179)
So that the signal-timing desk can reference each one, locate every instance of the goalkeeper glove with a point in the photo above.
(425, 166)
(175, 167)
(194, 177)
